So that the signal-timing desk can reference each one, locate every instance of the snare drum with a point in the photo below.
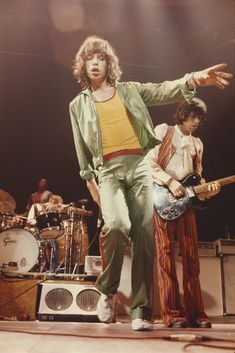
(50, 225)
(18, 250)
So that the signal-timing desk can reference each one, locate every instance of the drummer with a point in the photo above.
(42, 195)
(53, 205)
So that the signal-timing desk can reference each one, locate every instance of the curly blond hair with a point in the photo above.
(90, 46)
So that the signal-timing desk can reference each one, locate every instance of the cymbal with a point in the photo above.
(65, 209)
(83, 211)
(56, 208)
(77, 211)
(7, 203)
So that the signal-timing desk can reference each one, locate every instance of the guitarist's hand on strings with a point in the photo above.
(176, 188)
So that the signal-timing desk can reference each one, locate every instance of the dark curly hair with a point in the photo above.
(90, 46)
(197, 108)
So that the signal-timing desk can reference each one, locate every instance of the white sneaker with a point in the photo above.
(141, 325)
(106, 307)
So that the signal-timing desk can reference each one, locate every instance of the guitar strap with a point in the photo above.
(197, 161)
(167, 149)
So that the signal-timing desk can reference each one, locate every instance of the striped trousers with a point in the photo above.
(185, 229)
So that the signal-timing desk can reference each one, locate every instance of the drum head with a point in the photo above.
(19, 250)
(49, 225)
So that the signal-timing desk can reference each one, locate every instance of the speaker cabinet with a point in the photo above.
(228, 276)
(210, 279)
(211, 283)
(67, 302)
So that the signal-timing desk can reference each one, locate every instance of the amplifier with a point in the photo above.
(211, 283)
(93, 265)
(225, 246)
(228, 277)
(206, 249)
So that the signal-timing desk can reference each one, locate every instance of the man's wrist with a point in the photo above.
(169, 181)
(191, 83)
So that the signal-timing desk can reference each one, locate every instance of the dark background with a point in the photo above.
(155, 41)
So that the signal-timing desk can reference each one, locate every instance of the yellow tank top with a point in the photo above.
(116, 128)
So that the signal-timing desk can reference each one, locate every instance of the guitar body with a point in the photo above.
(170, 208)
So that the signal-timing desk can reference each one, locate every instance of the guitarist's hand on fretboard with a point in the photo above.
(213, 189)
(176, 188)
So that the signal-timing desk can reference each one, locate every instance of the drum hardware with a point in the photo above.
(10, 220)
(48, 256)
(73, 242)
(70, 250)
(44, 275)
(53, 257)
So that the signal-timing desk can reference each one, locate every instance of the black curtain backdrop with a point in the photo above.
(155, 41)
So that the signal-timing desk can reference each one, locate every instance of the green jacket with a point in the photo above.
(136, 97)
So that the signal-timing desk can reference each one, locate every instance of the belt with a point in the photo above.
(122, 153)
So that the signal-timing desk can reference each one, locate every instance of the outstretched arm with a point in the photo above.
(212, 76)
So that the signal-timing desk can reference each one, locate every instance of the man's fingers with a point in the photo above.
(224, 74)
(213, 187)
(222, 81)
(217, 67)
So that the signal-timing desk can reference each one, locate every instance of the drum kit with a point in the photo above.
(57, 243)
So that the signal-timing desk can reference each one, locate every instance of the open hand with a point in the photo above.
(212, 76)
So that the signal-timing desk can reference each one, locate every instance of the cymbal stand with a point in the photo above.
(82, 233)
(52, 244)
(68, 265)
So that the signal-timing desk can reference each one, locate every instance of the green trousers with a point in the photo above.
(127, 208)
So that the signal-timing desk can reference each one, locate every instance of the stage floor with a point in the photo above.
(80, 337)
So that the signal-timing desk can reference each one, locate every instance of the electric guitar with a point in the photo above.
(170, 208)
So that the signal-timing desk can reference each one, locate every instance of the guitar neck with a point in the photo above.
(204, 187)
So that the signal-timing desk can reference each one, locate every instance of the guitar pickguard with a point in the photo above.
(167, 206)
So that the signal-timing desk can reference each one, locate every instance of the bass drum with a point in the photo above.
(19, 250)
